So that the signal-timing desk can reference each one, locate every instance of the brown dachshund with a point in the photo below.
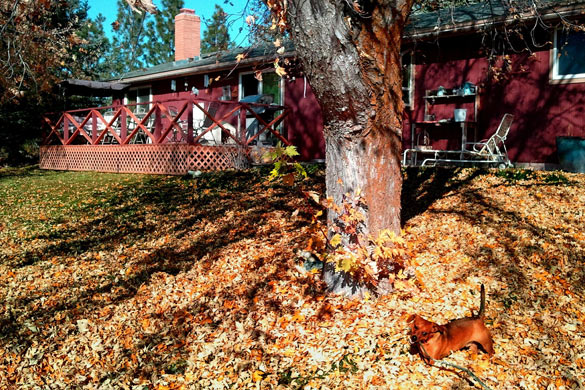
(437, 341)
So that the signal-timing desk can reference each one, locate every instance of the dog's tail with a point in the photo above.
(482, 304)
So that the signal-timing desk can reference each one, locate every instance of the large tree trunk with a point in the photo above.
(351, 56)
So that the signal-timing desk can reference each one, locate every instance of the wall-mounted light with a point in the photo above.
(174, 85)
(186, 86)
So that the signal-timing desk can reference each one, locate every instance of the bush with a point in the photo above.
(29, 150)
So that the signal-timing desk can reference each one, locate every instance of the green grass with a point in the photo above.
(73, 212)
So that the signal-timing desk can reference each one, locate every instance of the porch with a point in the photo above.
(164, 137)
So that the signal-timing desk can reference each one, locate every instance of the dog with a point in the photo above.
(435, 341)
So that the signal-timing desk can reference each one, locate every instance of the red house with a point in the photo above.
(535, 72)
(172, 117)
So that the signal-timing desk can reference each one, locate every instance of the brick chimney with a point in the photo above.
(187, 34)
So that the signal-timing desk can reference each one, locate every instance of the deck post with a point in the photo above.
(243, 129)
(65, 129)
(94, 119)
(123, 124)
(190, 121)
(157, 124)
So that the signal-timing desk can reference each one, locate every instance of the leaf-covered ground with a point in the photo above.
(142, 282)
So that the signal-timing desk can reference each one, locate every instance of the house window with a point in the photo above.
(407, 78)
(270, 84)
(226, 92)
(249, 85)
(138, 96)
(568, 56)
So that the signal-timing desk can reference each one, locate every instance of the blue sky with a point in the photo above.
(203, 8)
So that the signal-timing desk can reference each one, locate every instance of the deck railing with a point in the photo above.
(167, 137)
(191, 121)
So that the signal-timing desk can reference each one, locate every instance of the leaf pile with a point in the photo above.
(141, 282)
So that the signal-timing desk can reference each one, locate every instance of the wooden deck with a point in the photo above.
(170, 137)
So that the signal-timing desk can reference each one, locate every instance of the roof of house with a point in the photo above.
(486, 14)
(454, 20)
(211, 62)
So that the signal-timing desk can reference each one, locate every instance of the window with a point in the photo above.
(271, 84)
(226, 92)
(249, 85)
(407, 63)
(568, 56)
(137, 96)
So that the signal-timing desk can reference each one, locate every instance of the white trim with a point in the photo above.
(411, 78)
(260, 84)
(240, 89)
(195, 70)
(554, 67)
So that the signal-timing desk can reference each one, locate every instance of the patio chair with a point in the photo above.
(201, 122)
(491, 151)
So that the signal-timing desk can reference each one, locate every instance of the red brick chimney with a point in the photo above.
(187, 34)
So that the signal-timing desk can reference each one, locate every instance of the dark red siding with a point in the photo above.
(304, 125)
(305, 122)
(542, 110)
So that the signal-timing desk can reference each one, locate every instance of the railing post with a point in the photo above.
(243, 127)
(93, 127)
(190, 120)
(65, 128)
(123, 123)
(157, 124)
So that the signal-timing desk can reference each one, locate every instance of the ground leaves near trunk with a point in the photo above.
(142, 282)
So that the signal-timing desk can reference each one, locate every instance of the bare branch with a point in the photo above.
(142, 5)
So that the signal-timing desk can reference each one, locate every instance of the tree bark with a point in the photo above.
(350, 53)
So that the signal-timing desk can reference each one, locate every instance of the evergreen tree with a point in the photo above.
(42, 43)
(128, 46)
(160, 33)
(89, 57)
(216, 37)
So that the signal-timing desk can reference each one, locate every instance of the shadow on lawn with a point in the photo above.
(518, 234)
(423, 186)
(32, 170)
(130, 217)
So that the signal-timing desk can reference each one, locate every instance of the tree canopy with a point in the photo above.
(160, 33)
(42, 42)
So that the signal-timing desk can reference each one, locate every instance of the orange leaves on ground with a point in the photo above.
(210, 292)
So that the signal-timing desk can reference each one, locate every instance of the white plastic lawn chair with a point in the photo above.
(491, 151)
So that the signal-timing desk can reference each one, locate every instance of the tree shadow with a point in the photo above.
(423, 186)
(517, 235)
(201, 216)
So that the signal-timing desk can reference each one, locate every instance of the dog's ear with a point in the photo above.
(410, 321)
(438, 329)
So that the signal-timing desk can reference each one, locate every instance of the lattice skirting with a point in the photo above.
(159, 159)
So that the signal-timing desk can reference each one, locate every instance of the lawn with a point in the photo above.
(151, 282)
